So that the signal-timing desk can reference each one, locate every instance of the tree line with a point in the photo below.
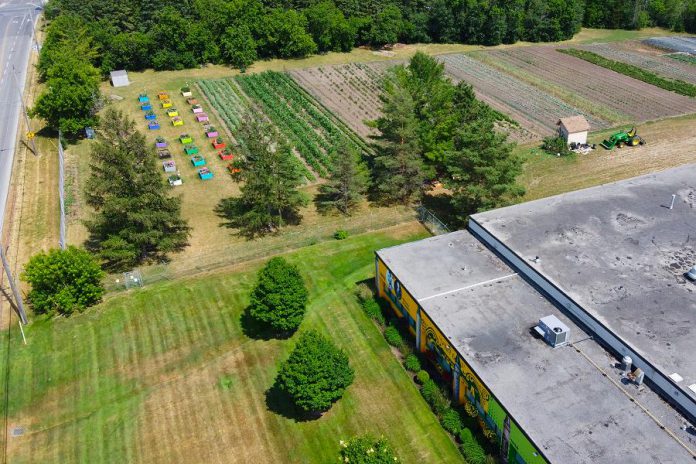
(168, 34)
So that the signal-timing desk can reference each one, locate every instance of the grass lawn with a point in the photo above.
(139, 378)
(670, 143)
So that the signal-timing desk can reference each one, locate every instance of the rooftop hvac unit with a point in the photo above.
(555, 332)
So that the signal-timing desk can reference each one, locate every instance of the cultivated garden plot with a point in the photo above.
(351, 91)
(662, 66)
(535, 110)
(673, 44)
(638, 100)
(311, 128)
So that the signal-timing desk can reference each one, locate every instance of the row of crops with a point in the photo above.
(311, 128)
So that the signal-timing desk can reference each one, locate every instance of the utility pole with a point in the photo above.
(30, 134)
(19, 303)
(61, 190)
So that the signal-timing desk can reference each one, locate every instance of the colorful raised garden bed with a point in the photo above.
(198, 160)
(167, 104)
(175, 180)
(153, 125)
(218, 143)
(171, 112)
(191, 149)
(164, 154)
(205, 174)
(192, 101)
(150, 116)
(163, 95)
(201, 117)
(160, 142)
(186, 91)
(226, 154)
(211, 133)
(143, 98)
(146, 107)
(177, 121)
(185, 138)
(233, 170)
(197, 109)
(169, 166)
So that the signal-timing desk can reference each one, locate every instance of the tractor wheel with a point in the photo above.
(642, 142)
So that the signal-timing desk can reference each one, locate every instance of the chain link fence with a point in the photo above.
(431, 222)
(292, 238)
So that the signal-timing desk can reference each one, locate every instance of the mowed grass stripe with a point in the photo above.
(151, 393)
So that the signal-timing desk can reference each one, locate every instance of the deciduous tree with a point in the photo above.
(63, 281)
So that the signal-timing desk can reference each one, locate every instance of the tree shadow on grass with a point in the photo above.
(257, 330)
(280, 403)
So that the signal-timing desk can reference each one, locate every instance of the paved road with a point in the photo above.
(15, 47)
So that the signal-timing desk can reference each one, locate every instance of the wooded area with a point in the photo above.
(166, 34)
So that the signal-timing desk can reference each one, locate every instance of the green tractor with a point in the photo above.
(630, 138)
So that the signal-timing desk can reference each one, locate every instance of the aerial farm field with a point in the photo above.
(631, 53)
(535, 110)
(351, 91)
(635, 100)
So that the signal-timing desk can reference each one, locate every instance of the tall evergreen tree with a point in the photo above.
(399, 169)
(347, 182)
(270, 175)
(135, 219)
(482, 168)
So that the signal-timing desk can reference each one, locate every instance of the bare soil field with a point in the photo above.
(633, 53)
(535, 110)
(624, 95)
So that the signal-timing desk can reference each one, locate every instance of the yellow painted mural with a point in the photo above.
(389, 287)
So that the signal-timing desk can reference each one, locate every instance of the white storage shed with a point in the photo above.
(574, 129)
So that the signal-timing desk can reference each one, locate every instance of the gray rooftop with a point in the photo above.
(560, 396)
(621, 253)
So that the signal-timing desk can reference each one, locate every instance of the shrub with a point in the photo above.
(470, 448)
(364, 292)
(451, 421)
(556, 145)
(434, 397)
(226, 382)
(412, 363)
(374, 311)
(316, 374)
(280, 296)
(422, 377)
(393, 337)
(63, 281)
(340, 234)
(366, 450)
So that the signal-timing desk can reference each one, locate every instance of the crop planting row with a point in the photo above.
(600, 86)
(657, 64)
(350, 91)
(227, 100)
(313, 130)
(683, 57)
(534, 109)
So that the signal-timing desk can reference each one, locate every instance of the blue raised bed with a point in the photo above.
(153, 125)
(205, 174)
(146, 107)
(143, 99)
(150, 117)
(198, 161)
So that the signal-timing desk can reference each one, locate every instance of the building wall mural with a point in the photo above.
(516, 448)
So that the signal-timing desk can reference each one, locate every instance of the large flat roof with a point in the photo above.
(621, 253)
(559, 396)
